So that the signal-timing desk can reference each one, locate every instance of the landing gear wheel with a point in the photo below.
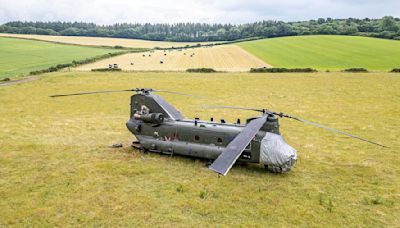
(209, 162)
(142, 150)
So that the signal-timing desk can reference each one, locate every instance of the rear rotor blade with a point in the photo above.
(118, 91)
(336, 131)
(95, 92)
(283, 115)
(178, 93)
(232, 107)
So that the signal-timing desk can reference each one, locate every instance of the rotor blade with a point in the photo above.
(232, 107)
(178, 93)
(334, 130)
(95, 92)
(301, 120)
(231, 153)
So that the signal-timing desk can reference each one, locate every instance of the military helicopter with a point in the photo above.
(160, 128)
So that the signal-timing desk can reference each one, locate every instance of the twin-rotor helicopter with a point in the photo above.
(159, 127)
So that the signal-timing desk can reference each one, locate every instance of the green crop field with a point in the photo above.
(56, 167)
(19, 57)
(327, 52)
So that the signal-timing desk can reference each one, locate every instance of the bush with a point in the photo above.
(5, 80)
(201, 70)
(107, 69)
(356, 70)
(282, 70)
(395, 70)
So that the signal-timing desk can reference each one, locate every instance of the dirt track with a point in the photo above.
(19, 81)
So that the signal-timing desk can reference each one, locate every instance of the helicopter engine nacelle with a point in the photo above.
(155, 118)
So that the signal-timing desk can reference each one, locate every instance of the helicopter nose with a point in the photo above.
(276, 153)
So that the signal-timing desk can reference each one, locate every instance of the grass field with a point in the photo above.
(222, 58)
(327, 52)
(19, 57)
(56, 168)
(103, 41)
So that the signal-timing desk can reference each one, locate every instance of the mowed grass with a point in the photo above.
(327, 52)
(104, 41)
(56, 167)
(221, 58)
(19, 57)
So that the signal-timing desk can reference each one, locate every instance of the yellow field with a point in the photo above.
(103, 41)
(222, 58)
(56, 167)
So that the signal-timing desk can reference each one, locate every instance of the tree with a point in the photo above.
(212, 32)
(321, 20)
(389, 24)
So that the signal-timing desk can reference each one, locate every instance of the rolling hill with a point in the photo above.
(327, 52)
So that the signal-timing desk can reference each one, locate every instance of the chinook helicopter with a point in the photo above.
(160, 128)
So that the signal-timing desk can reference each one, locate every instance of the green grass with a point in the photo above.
(19, 57)
(327, 52)
(56, 168)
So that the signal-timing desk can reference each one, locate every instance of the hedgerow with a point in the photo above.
(282, 70)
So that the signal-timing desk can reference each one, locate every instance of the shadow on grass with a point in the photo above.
(253, 168)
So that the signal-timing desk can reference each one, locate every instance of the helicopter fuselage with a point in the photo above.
(160, 128)
(202, 139)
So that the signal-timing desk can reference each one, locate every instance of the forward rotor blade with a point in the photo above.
(335, 130)
(232, 107)
(95, 92)
(231, 153)
(178, 93)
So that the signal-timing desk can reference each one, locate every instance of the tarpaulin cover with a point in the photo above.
(276, 152)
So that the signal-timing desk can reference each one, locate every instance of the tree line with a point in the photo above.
(387, 27)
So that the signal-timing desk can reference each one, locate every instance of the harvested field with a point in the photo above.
(222, 58)
(102, 41)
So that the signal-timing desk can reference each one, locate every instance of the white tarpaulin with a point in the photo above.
(277, 153)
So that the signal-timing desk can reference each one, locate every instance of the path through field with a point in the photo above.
(222, 58)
